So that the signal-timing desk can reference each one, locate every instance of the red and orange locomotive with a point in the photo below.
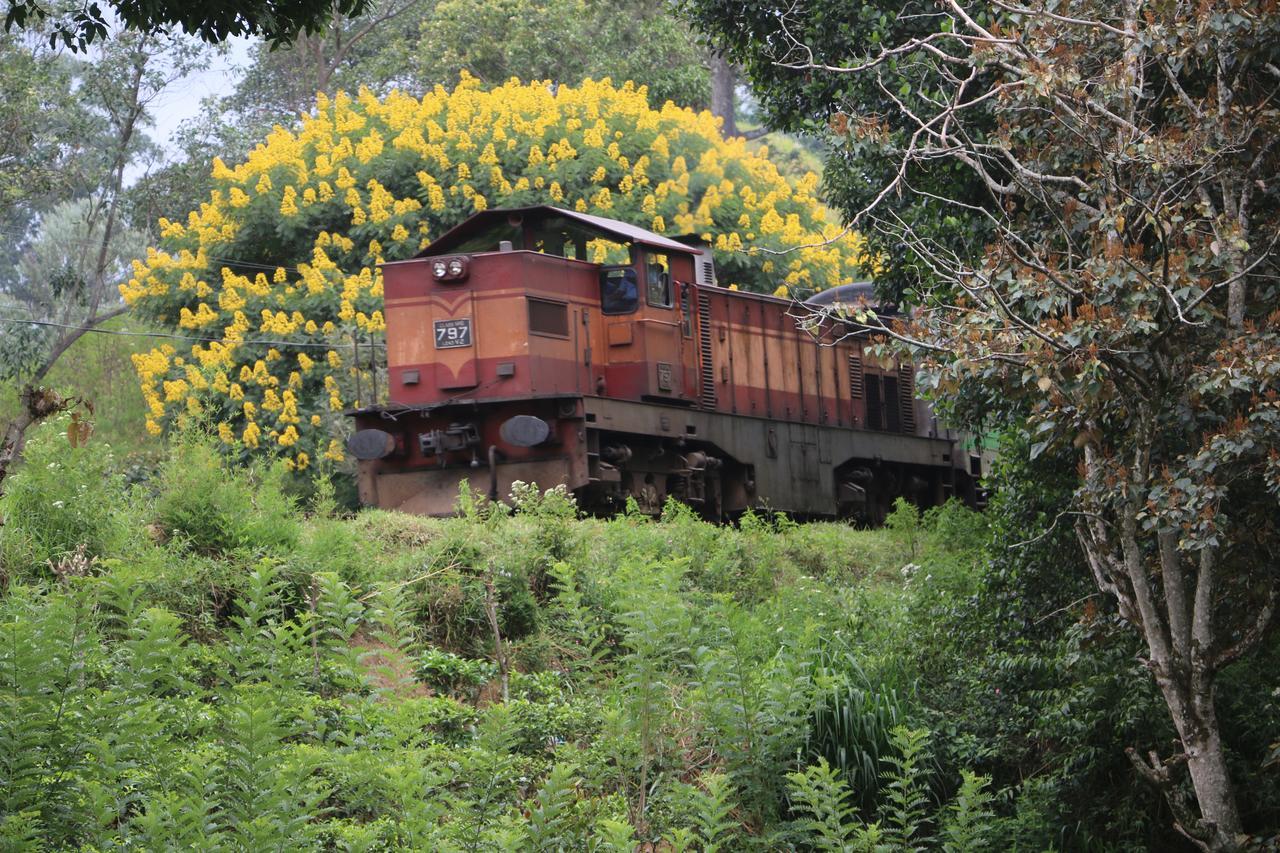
(549, 346)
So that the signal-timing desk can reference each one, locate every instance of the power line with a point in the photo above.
(186, 338)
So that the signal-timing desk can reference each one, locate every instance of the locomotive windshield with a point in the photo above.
(619, 290)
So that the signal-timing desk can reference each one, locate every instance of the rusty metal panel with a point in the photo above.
(803, 454)
(435, 491)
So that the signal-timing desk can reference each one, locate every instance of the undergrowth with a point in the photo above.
(199, 661)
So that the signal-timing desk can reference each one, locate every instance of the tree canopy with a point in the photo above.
(278, 21)
(1113, 174)
(287, 247)
(414, 45)
(80, 124)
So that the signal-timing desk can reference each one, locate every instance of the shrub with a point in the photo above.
(446, 672)
(209, 509)
(851, 729)
(61, 499)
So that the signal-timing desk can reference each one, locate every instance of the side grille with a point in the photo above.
(705, 272)
(708, 372)
(855, 376)
(907, 396)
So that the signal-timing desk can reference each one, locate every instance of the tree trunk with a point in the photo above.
(1220, 823)
(1179, 631)
(38, 403)
(1217, 825)
(15, 436)
(724, 100)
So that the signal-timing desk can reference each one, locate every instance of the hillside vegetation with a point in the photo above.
(202, 662)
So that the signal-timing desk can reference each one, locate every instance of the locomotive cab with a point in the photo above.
(539, 301)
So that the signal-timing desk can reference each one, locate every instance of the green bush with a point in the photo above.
(63, 508)
(851, 728)
(206, 507)
(236, 675)
(453, 674)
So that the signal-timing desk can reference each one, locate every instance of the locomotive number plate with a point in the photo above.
(453, 333)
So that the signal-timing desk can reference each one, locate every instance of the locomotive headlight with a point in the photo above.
(455, 267)
(439, 269)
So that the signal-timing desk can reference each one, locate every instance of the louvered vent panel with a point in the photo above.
(704, 352)
(707, 270)
(891, 403)
(855, 376)
(907, 396)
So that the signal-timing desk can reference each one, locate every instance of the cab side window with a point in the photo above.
(619, 290)
(658, 281)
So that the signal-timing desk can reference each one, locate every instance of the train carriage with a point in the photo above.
(550, 346)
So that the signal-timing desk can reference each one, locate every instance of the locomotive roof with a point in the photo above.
(477, 223)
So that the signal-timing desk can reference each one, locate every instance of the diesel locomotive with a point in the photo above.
(549, 346)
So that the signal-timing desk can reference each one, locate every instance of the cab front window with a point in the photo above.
(619, 290)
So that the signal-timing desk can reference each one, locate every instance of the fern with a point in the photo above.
(612, 836)
(966, 823)
(551, 818)
(21, 830)
(713, 805)
(247, 651)
(828, 817)
(392, 628)
(905, 791)
(755, 710)
(657, 626)
(182, 815)
(338, 616)
(582, 629)
(47, 652)
(681, 839)
(153, 659)
(486, 777)
(266, 797)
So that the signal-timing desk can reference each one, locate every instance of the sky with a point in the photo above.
(181, 100)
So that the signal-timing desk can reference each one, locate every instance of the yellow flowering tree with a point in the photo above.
(273, 276)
